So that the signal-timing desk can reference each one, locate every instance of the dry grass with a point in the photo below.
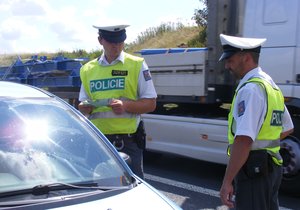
(170, 39)
(6, 60)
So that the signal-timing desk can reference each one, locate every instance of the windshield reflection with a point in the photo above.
(43, 141)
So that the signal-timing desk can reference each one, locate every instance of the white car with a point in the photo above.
(52, 157)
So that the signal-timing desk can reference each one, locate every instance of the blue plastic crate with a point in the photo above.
(76, 81)
(70, 64)
(41, 67)
(63, 81)
(3, 69)
(15, 71)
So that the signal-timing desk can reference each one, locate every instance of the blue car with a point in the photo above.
(52, 157)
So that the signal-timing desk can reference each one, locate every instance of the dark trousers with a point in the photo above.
(136, 155)
(260, 193)
(131, 148)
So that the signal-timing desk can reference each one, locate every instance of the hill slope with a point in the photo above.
(169, 39)
(166, 39)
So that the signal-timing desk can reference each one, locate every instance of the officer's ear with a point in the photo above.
(100, 38)
(245, 56)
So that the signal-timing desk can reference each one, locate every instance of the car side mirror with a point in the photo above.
(125, 157)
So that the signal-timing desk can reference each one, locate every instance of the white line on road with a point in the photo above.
(183, 185)
(189, 187)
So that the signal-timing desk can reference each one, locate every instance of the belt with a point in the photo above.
(120, 136)
(118, 139)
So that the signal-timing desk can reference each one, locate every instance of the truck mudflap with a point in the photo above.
(290, 151)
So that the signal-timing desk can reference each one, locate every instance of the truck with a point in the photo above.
(195, 90)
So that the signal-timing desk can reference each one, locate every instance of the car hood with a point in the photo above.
(141, 197)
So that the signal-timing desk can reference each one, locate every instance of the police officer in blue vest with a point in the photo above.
(116, 89)
(258, 119)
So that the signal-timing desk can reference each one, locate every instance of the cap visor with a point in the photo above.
(114, 39)
(226, 55)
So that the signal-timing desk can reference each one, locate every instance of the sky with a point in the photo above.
(33, 26)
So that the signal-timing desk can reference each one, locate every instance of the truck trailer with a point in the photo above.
(195, 90)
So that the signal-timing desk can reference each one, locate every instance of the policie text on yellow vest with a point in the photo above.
(107, 84)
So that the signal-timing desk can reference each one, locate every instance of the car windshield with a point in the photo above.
(44, 141)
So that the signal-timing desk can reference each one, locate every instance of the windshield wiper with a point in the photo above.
(45, 189)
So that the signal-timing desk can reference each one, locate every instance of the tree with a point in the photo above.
(200, 15)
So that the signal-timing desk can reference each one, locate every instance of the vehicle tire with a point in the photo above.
(290, 152)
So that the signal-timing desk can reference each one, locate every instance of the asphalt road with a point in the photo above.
(194, 184)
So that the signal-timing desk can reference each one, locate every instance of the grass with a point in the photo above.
(163, 36)
(169, 39)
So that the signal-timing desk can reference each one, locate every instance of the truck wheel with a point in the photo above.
(290, 152)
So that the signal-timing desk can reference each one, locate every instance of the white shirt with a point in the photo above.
(250, 107)
(145, 87)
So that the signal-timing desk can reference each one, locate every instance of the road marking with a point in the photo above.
(190, 187)
(183, 185)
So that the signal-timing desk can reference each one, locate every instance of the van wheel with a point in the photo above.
(290, 152)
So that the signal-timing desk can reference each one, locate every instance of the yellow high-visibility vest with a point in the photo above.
(268, 137)
(119, 81)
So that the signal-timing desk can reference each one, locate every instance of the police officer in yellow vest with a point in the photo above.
(116, 89)
(258, 119)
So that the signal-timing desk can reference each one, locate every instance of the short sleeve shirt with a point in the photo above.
(250, 107)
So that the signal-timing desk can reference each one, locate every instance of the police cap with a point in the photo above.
(233, 44)
(113, 34)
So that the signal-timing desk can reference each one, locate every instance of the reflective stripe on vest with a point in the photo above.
(264, 144)
(111, 114)
(261, 144)
(269, 134)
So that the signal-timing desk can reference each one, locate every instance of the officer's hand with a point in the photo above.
(85, 109)
(226, 194)
(117, 106)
